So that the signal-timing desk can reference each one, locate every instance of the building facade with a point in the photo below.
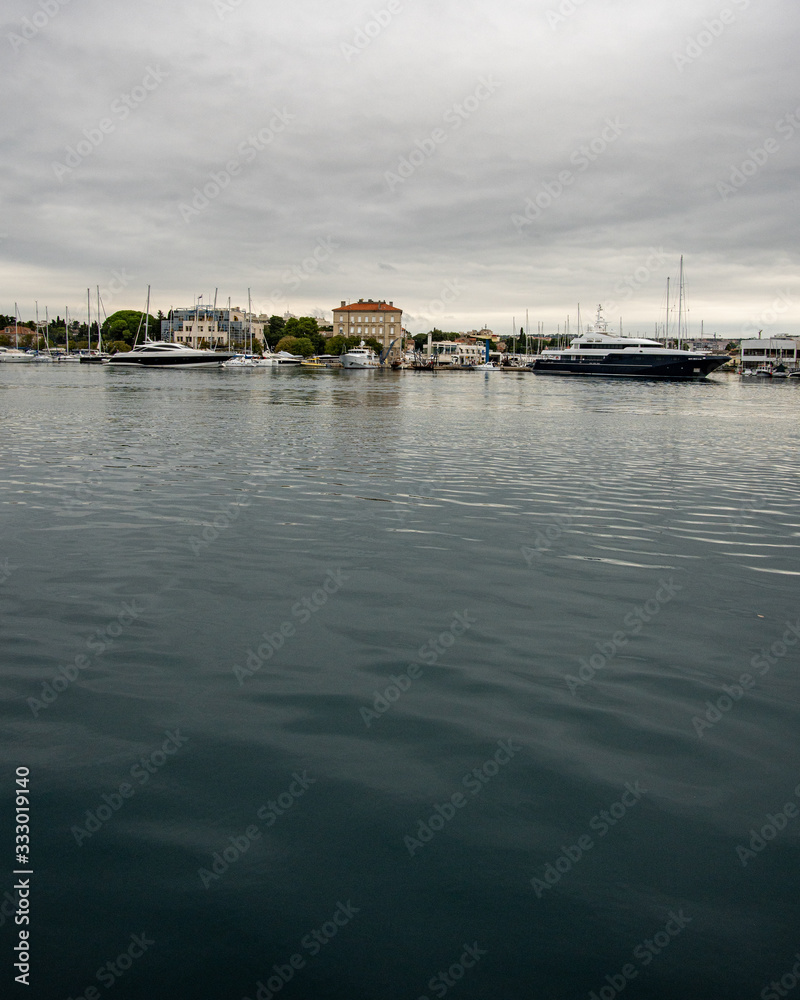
(204, 326)
(367, 318)
(756, 353)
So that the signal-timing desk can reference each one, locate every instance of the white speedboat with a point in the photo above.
(165, 354)
(241, 361)
(487, 366)
(13, 354)
(360, 357)
(598, 352)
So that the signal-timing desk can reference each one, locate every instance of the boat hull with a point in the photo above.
(165, 361)
(635, 366)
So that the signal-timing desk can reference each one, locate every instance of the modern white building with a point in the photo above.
(756, 353)
(204, 326)
(368, 318)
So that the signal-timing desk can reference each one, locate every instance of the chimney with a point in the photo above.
(343, 303)
(391, 303)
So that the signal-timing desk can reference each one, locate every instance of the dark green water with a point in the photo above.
(332, 682)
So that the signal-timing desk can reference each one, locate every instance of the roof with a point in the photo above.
(368, 306)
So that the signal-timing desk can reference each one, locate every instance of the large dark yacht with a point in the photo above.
(598, 352)
(166, 354)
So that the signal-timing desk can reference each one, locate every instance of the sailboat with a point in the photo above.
(14, 354)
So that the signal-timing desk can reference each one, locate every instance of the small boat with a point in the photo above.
(360, 357)
(241, 361)
(321, 361)
(14, 354)
(487, 366)
(763, 371)
(93, 357)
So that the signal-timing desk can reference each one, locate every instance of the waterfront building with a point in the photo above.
(205, 326)
(368, 318)
(757, 352)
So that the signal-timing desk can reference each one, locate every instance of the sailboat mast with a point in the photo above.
(249, 322)
(680, 302)
(16, 326)
(66, 328)
(666, 325)
(99, 336)
(147, 316)
(88, 321)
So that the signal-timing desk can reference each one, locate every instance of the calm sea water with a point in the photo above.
(344, 685)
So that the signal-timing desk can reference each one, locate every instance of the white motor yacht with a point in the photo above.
(360, 357)
(165, 354)
(13, 354)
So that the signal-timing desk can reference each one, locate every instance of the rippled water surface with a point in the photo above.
(322, 677)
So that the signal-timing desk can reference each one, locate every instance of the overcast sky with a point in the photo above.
(467, 160)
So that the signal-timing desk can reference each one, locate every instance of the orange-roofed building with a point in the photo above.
(367, 318)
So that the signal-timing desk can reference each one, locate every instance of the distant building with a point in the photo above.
(367, 318)
(214, 327)
(763, 352)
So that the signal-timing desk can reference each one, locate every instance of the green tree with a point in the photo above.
(296, 345)
(274, 332)
(124, 325)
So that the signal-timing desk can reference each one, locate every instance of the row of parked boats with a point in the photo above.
(597, 352)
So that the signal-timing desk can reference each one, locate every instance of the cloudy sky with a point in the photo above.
(468, 160)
